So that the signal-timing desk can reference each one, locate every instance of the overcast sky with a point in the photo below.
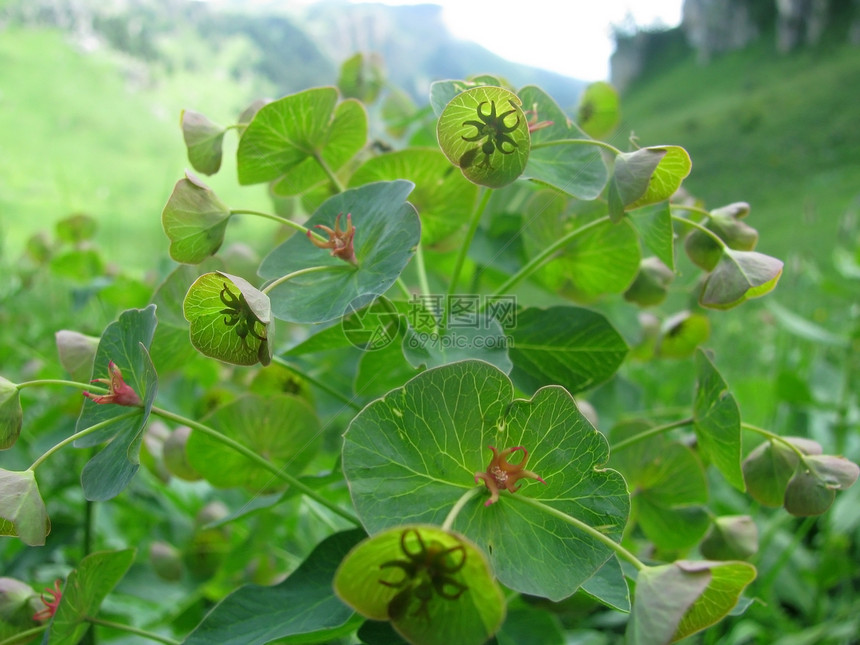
(567, 36)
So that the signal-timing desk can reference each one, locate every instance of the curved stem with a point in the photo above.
(455, 510)
(545, 255)
(54, 381)
(424, 285)
(294, 274)
(132, 630)
(257, 459)
(339, 187)
(775, 437)
(325, 387)
(25, 636)
(404, 288)
(582, 142)
(281, 220)
(589, 530)
(467, 242)
(704, 229)
(651, 432)
(691, 209)
(83, 433)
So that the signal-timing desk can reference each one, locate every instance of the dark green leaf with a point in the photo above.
(732, 537)
(739, 276)
(203, 139)
(22, 511)
(194, 220)
(717, 421)
(654, 225)
(83, 593)
(471, 610)
(387, 230)
(568, 346)
(430, 437)
(767, 471)
(302, 604)
(485, 340)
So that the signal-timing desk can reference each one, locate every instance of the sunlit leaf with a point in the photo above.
(203, 140)
(598, 111)
(194, 220)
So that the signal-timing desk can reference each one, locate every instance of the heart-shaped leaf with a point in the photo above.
(229, 319)
(11, 414)
(125, 345)
(434, 586)
(740, 276)
(676, 600)
(568, 346)
(303, 603)
(717, 421)
(387, 230)
(444, 199)
(484, 132)
(431, 436)
(203, 139)
(194, 220)
(283, 428)
(22, 511)
(83, 593)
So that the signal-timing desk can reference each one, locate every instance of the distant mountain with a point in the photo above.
(292, 50)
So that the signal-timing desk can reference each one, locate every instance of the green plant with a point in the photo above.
(361, 439)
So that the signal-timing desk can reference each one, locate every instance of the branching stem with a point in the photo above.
(651, 432)
(83, 433)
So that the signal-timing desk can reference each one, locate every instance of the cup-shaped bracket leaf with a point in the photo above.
(11, 414)
(646, 176)
(651, 285)
(76, 352)
(282, 427)
(22, 511)
(485, 133)
(738, 277)
(83, 592)
(387, 230)
(675, 600)
(561, 154)
(813, 487)
(203, 140)
(682, 333)
(229, 319)
(123, 351)
(444, 199)
(717, 421)
(194, 220)
(598, 110)
(769, 467)
(434, 586)
(731, 537)
(431, 437)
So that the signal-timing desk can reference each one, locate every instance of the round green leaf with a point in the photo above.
(558, 156)
(485, 133)
(203, 140)
(282, 428)
(568, 346)
(682, 333)
(444, 199)
(598, 110)
(76, 228)
(11, 414)
(194, 220)
(22, 511)
(449, 598)
(738, 277)
(410, 456)
(717, 421)
(284, 133)
(229, 319)
(387, 230)
(361, 77)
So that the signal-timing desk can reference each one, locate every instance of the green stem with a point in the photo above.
(257, 459)
(281, 220)
(581, 142)
(585, 528)
(651, 432)
(455, 510)
(52, 381)
(294, 274)
(538, 261)
(691, 209)
(775, 437)
(83, 433)
(704, 229)
(404, 288)
(339, 187)
(132, 630)
(423, 284)
(325, 387)
(25, 636)
(467, 242)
